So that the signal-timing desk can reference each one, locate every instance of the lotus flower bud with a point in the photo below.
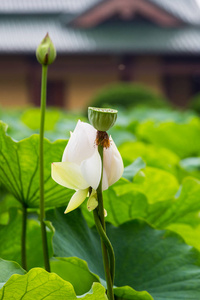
(102, 119)
(46, 52)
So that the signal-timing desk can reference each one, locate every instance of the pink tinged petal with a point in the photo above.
(69, 175)
(113, 163)
(81, 144)
(91, 170)
(76, 200)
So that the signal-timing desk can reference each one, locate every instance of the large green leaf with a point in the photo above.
(7, 269)
(183, 139)
(131, 170)
(7, 201)
(17, 129)
(127, 293)
(120, 208)
(58, 123)
(39, 284)
(179, 209)
(10, 237)
(180, 213)
(120, 135)
(191, 166)
(31, 118)
(78, 240)
(144, 113)
(146, 259)
(156, 184)
(190, 234)
(24, 122)
(19, 169)
(153, 156)
(75, 271)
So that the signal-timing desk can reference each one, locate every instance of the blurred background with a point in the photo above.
(108, 51)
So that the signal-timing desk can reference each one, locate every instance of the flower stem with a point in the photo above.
(107, 243)
(107, 250)
(41, 160)
(23, 237)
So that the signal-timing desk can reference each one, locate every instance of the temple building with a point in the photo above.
(99, 42)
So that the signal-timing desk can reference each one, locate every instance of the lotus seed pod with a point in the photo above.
(102, 119)
(46, 52)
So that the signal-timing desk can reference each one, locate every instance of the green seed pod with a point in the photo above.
(102, 119)
(46, 52)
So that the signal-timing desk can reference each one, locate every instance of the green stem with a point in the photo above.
(41, 163)
(107, 243)
(108, 260)
(23, 237)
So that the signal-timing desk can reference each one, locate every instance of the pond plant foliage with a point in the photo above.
(129, 232)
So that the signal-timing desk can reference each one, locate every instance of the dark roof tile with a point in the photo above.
(186, 10)
(22, 35)
(45, 6)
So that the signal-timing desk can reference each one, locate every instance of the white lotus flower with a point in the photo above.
(80, 168)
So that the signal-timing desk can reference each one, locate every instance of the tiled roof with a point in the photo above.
(186, 10)
(45, 6)
(22, 35)
(23, 24)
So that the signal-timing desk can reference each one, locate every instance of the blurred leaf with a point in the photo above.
(31, 118)
(19, 169)
(131, 170)
(25, 122)
(190, 234)
(191, 164)
(10, 237)
(162, 214)
(75, 271)
(166, 114)
(121, 208)
(156, 184)
(39, 284)
(17, 129)
(153, 156)
(190, 167)
(149, 195)
(183, 139)
(179, 214)
(7, 269)
(121, 135)
(146, 259)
